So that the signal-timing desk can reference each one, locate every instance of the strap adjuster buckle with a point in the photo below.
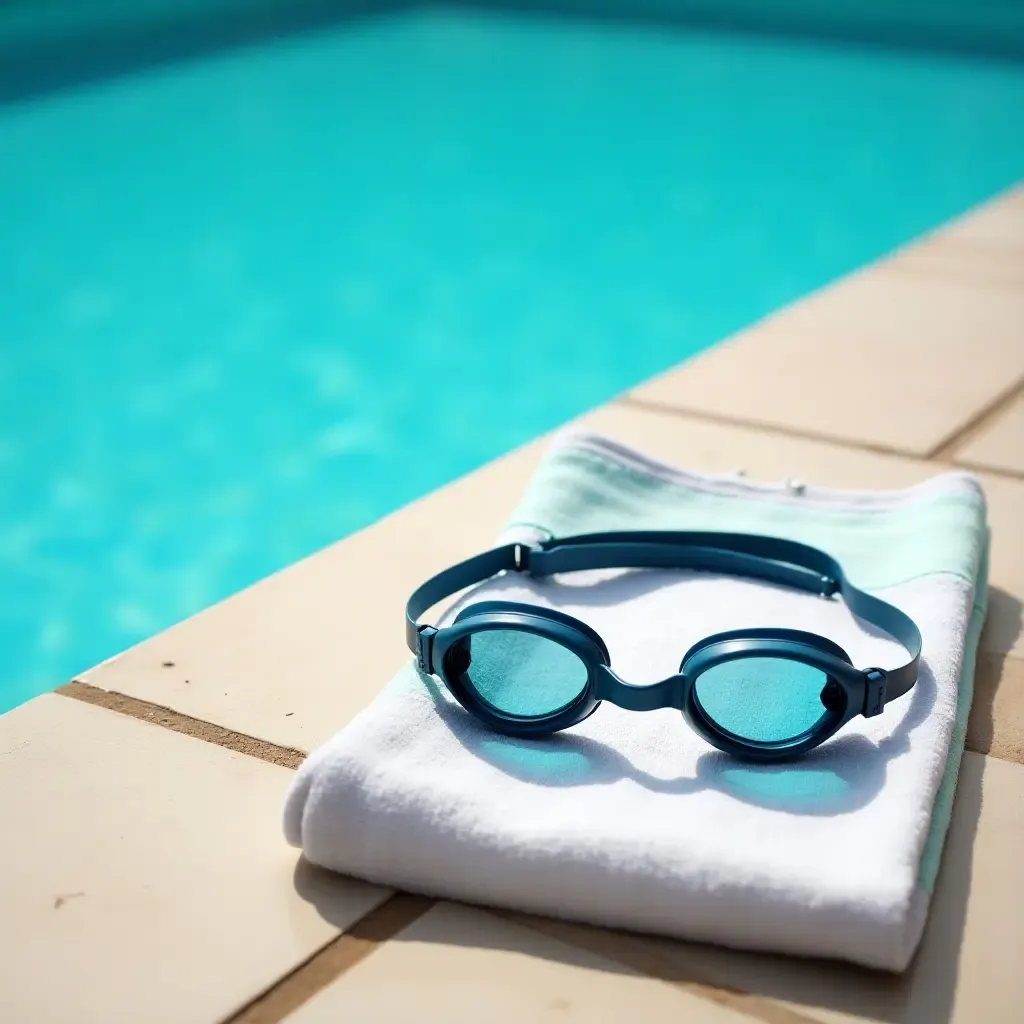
(425, 649)
(521, 558)
(874, 693)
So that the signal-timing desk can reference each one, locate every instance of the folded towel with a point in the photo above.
(632, 820)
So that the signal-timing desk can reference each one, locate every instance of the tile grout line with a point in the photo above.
(167, 718)
(946, 449)
(285, 994)
(398, 912)
(330, 962)
(980, 467)
(723, 419)
(654, 406)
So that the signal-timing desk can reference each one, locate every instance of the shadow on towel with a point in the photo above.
(842, 775)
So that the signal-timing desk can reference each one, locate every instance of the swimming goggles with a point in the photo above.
(760, 694)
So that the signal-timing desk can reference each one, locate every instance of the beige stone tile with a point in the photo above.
(1000, 445)
(966, 971)
(996, 725)
(293, 658)
(143, 876)
(885, 358)
(459, 964)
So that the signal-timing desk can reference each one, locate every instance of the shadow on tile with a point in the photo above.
(1004, 621)
(996, 724)
(328, 892)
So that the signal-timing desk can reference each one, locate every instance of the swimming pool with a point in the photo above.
(253, 301)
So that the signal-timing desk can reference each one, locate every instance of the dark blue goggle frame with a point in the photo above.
(865, 691)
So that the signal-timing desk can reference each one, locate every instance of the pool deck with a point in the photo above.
(143, 875)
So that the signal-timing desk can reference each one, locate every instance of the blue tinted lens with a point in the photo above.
(766, 700)
(519, 673)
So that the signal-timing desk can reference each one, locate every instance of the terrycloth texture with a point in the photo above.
(632, 820)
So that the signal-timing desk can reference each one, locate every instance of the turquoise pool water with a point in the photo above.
(252, 302)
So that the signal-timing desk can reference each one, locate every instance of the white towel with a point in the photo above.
(632, 820)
